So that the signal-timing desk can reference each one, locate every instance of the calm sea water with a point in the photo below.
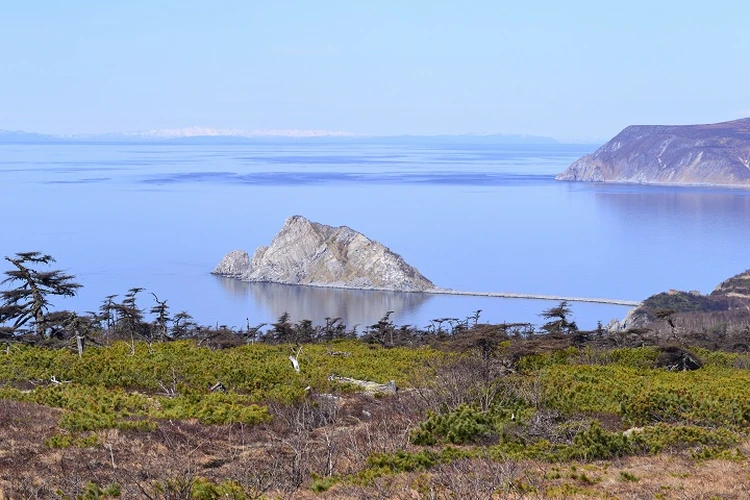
(482, 217)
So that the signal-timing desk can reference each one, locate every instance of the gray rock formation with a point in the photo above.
(234, 264)
(307, 253)
(716, 154)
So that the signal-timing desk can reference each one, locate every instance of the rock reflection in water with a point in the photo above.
(354, 307)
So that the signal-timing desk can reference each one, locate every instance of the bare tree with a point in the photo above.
(161, 310)
(478, 479)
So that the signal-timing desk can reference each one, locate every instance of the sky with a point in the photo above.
(573, 70)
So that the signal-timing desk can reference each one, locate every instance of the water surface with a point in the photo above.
(470, 217)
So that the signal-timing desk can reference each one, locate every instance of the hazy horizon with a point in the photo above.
(197, 131)
(576, 72)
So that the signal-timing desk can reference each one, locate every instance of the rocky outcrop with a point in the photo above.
(234, 264)
(709, 155)
(307, 253)
(737, 286)
(729, 299)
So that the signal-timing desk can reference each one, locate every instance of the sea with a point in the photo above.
(470, 216)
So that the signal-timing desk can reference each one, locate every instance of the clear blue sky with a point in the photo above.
(567, 69)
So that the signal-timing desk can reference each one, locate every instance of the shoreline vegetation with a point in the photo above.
(134, 402)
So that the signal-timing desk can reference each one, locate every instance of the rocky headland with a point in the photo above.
(696, 155)
(308, 253)
(728, 304)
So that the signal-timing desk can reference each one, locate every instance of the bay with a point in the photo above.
(477, 217)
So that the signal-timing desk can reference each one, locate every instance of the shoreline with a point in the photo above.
(449, 291)
(704, 185)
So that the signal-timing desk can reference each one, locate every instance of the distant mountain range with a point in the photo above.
(17, 137)
(202, 135)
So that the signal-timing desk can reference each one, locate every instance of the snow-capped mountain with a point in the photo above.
(178, 133)
(207, 135)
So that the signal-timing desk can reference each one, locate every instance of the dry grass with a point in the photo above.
(279, 460)
(636, 478)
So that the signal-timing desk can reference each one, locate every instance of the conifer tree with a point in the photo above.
(28, 303)
(161, 311)
(559, 320)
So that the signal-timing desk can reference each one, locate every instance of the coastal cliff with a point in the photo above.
(737, 286)
(727, 304)
(701, 155)
(308, 253)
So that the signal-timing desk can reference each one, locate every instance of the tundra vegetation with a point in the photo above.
(134, 402)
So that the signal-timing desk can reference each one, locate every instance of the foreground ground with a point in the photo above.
(477, 419)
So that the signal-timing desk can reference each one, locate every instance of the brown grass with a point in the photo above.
(279, 460)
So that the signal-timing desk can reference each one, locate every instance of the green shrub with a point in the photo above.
(198, 489)
(462, 425)
(535, 362)
(596, 443)
(95, 492)
(718, 453)
(213, 408)
(404, 461)
(261, 371)
(59, 441)
(679, 301)
(204, 489)
(640, 357)
(712, 396)
(86, 420)
(123, 386)
(627, 476)
(322, 484)
(664, 437)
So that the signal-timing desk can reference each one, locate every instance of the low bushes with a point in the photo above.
(555, 405)
(462, 425)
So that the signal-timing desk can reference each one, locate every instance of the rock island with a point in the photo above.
(308, 253)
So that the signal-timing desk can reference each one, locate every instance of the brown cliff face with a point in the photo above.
(716, 154)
